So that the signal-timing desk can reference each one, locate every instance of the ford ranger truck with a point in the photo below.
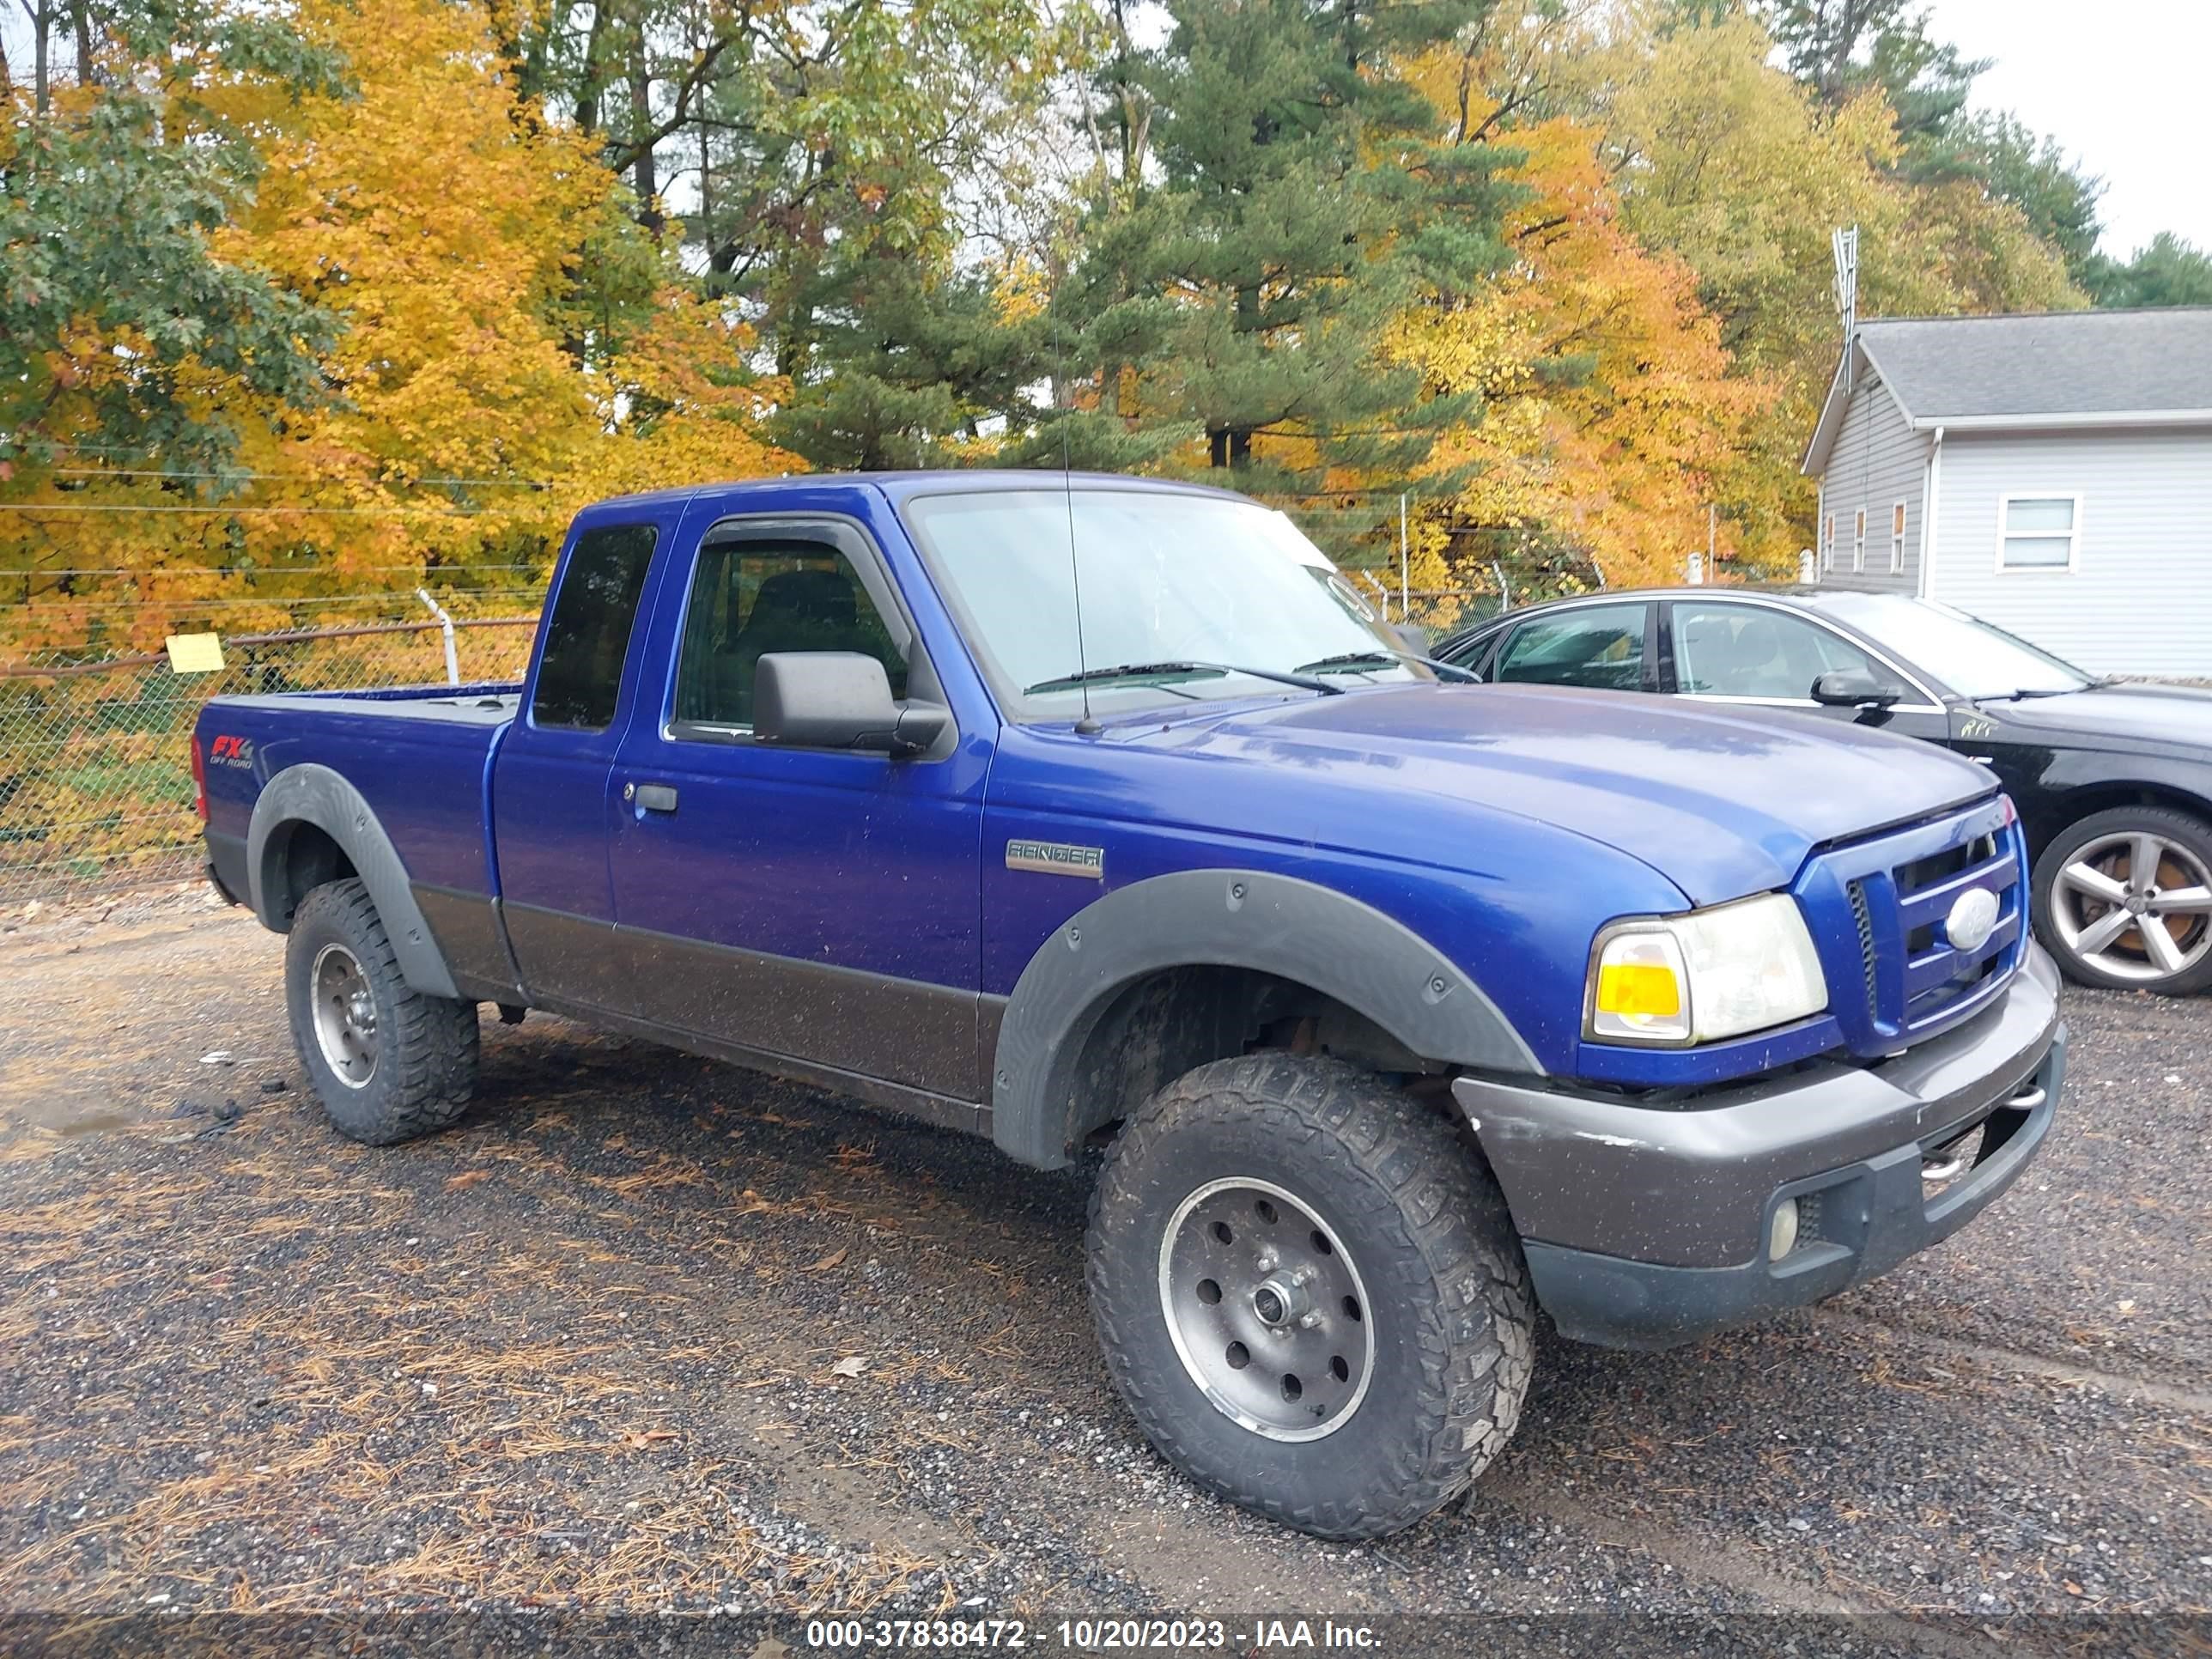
(1401, 1008)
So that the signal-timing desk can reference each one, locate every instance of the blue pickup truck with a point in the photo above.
(1088, 811)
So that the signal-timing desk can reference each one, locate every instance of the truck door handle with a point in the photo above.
(651, 797)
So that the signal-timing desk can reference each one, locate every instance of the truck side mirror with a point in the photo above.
(1851, 688)
(838, 700)
(1414, 636)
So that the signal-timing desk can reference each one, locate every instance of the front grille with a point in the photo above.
(1880, 909)
(1862, 918)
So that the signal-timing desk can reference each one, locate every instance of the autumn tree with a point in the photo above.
(1611, 420)
(115, 306)
(503, 343)
(1731, 165)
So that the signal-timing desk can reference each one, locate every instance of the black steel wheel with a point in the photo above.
(1309, 1293)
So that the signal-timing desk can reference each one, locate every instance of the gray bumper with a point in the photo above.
(1645, 1225)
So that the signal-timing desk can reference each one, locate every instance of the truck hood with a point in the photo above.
(1719, 805)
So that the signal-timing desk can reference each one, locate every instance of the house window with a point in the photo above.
(1858, 540)
(1897, 538)
(1828, 543)
(2039, 533)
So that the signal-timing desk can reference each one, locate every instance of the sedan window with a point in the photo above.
(1598, 645)
(1751, 651)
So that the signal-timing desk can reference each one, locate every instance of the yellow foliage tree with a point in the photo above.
(1611, 417)
(1728, 163)
(512, 347)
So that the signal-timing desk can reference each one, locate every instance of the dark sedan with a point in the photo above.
(2113, 781)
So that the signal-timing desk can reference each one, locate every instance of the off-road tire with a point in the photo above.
(425, 1069)
(1418, 1211)
(2165, 822)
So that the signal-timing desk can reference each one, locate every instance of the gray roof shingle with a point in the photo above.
(2075, 362)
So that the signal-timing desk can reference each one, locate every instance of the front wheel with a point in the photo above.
(1309, 1293)
(388, 1061)
(2123, 900)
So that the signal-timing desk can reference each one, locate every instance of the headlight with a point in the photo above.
(1712, 974)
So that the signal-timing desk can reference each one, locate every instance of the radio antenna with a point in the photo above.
(1086, 726)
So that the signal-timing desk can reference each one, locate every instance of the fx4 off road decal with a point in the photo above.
(231, 751)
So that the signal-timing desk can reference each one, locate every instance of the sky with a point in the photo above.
(2119, 83)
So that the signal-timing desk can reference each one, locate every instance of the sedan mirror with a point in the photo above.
(838, 700)
(1851, 688)
(1413, 636)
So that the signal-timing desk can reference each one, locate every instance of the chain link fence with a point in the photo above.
(96, 763)
(95, 768)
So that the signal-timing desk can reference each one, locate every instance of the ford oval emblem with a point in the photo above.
(1973, 920)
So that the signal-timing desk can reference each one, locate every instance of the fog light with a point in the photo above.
(1782, 1232)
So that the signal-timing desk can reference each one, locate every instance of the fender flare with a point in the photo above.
(1280, 925)
(309, 793)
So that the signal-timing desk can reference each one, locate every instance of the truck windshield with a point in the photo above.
(1170, 579)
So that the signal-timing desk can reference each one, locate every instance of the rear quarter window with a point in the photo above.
(587, 634)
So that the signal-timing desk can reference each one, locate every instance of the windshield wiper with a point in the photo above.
(1355, 659)
(2027, 691)
(1137, 671)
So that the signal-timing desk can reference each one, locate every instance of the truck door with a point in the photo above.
(818, 904)
(550, 804)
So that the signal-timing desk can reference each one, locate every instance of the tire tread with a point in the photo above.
(1476, 1330)
(430, 1044)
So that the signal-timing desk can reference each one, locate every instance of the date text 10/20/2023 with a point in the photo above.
(1090, 1635)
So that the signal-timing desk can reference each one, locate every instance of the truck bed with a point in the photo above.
(418, 757)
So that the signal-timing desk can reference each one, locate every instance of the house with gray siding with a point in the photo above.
(2051, 474)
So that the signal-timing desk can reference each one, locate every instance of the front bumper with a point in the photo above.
(1645, 1225)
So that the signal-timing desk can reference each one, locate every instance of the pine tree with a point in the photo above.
(910, 361)
(1277, 194)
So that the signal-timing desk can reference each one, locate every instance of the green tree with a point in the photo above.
(1840, 49)
(909, 362)
(115, 310)
(2009, 159)
(790, 137)
(2168, 272)
(1272, 194)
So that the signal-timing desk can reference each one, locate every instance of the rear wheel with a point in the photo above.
(1309, 1293)
(387, 1062)
(2123, 900)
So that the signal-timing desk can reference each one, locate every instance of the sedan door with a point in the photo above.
(1757, 656)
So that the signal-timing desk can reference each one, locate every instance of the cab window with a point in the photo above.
(1598, 645)
(587, 632)
(751, 597)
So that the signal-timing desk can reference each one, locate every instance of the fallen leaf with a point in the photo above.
(466, 1178)
(851, 1366)
(827, 1262)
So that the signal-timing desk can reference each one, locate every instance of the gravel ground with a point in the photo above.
(650, 1333)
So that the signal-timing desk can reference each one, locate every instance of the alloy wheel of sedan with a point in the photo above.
(2135, 904)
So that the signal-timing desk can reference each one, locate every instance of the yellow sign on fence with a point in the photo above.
(194, 653)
